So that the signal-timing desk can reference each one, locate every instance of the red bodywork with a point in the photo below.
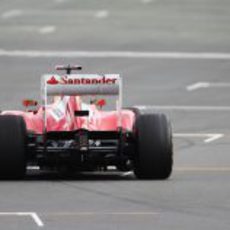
(60, 117)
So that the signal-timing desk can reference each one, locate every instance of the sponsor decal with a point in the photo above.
(52, 81)
(64, 80)
(58, 112)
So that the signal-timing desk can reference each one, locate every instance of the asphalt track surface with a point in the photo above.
(197, 196)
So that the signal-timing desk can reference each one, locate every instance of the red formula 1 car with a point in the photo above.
(74, 133)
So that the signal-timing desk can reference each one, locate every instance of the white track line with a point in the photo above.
(214, 137)
(102, 14)
(37, 219)
(209, 137)
(114, 54)
(33, 215)
(47, 29)
(187, 108)
(11, 14)
(199, 85)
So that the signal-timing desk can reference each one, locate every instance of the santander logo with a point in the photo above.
(64, 80)
(52, 81)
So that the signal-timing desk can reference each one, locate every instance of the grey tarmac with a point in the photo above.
(197, 194)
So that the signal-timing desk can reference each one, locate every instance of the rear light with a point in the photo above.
(29, 102)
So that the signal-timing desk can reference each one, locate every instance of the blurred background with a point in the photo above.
(37, 35)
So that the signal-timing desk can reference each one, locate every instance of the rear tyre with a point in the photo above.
(13, 147)
(154, 149)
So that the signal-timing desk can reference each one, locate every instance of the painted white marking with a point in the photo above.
(33, 215)
(47, 29)
(197, 85)
(11, 14)
(186, 108)
(209, 137)
(200, 85)
(114, 54)
(37, 219)
(214, 137)
(102, 14)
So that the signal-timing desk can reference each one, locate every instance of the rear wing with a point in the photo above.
(81, 84)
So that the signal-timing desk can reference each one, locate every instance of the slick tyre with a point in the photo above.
(154, 149)
(13, 147)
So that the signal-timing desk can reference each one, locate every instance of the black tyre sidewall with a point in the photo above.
(154, 150)
(13, 147)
